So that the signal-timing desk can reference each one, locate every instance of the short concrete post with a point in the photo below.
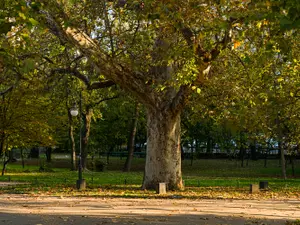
(162, 188)
(81, 184)
(254, 188)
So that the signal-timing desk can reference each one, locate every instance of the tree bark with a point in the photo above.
(4, 166)
(72, 141)
(49, 154)
(293, 165)
(282, 160)
(87, 118)
(5, 162)
(131, 142)
(163, 160)
(22, 158)
(192, 152)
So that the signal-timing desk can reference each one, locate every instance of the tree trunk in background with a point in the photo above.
(22, 158)
(34, 153)
(131, 142)
(5, 162)
(192, 152)
(293, 164)
(4, 166)
(48, 154)
(72, 141)
(242, 155)
(253, 151)
(163, 160)
(267, 150)
(282, 160)
(87, 118)
(209, 145)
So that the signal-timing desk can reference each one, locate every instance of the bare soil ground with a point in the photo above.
(41, 210)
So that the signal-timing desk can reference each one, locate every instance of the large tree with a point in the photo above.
(159, 51)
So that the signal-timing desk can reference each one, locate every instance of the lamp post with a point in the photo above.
(80, 183)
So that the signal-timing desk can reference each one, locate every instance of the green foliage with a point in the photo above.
(112, 130)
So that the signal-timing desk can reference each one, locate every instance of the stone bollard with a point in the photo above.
(254, 188)
(81, 184)
(162, 188)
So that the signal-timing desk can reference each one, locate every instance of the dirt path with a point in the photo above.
(22, 210)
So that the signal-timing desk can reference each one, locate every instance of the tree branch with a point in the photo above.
(84, 79)
(7, 90)
(104, 99)
(101, 84)
(181, 98)
(73, 72)
(110, 67)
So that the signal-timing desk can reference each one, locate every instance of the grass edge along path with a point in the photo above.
(204, 179)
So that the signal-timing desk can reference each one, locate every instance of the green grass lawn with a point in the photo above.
(205, 178)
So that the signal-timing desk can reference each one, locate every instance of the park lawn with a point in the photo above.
(204, 179)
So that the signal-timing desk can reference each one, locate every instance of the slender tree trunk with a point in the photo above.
(192, 153)
(265, 160)
(293, 165)
(267, 150)
(131, 141)
(49, 154)
(197, 149)
(87, 118)
(209, 145)
(4, 166)
(282, 160)
(5, 162)
(72, 141)
(163, 160)
(253, 151)
(22, 158)
(242, 149)
(109, 151)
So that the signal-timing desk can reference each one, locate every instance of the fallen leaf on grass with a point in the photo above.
(64, 218)
(203, 218)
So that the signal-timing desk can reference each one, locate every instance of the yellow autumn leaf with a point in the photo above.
(280, 79)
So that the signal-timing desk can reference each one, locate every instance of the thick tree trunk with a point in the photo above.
(131, 141)
(163, 160)
(87, 118)
(72, 141)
